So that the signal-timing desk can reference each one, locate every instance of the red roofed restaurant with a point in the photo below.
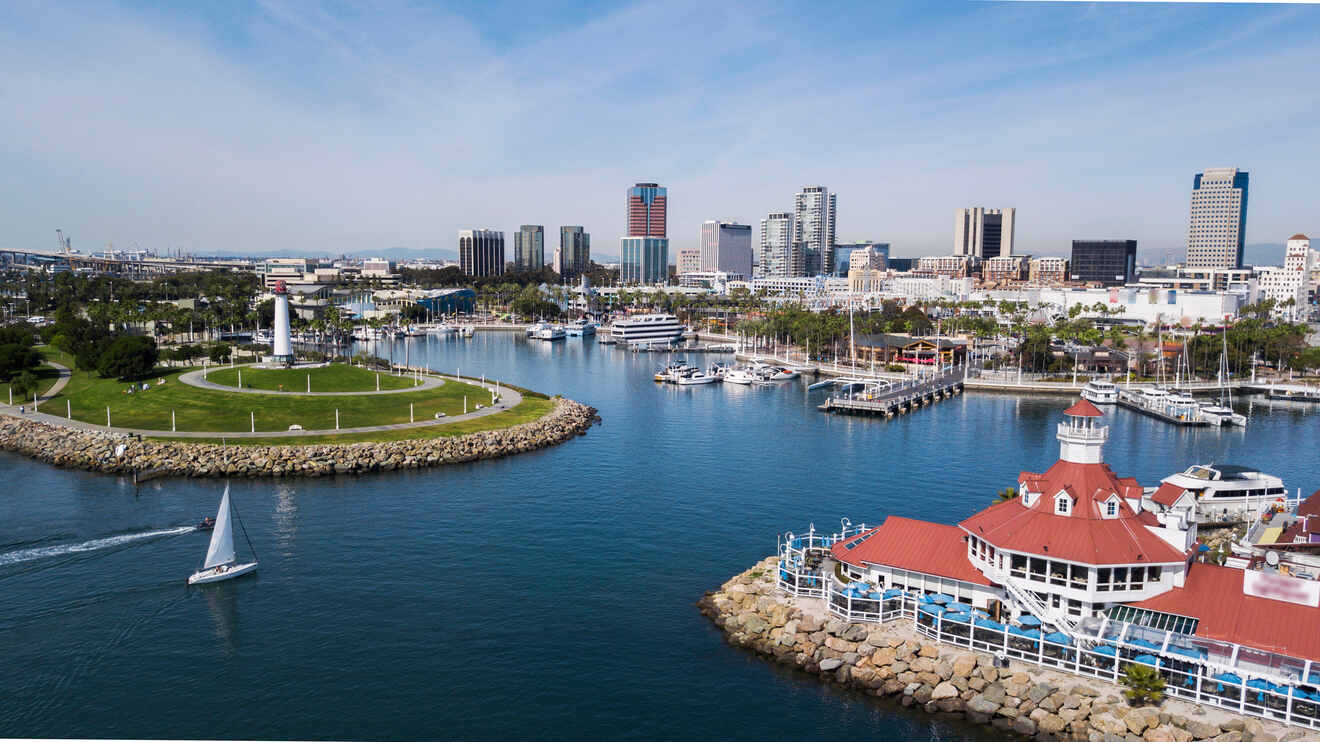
(1086, 571)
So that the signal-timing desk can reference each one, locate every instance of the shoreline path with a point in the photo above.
(509, 398)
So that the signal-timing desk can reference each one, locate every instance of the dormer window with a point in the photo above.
(1111, 509)
(1062, 504)
(1028, 498)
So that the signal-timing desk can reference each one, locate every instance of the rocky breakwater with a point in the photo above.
(114, 453)
(893, 661)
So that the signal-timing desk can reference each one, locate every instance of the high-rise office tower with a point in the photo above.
(574, 252)
(529, 248)
(726, 246)
(644, 252)
(983, 233)
(647, 204)
(1107, 262)
(481, 252)
(813, 220)
(781, 255)
(1218, 223)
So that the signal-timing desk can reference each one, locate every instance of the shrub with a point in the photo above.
(1143, 684)
(128, 357)
(896, 368)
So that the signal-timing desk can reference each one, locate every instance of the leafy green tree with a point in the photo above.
(219, 353)
(128, 357)
(24, 385)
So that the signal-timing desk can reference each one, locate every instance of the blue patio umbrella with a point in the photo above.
(1228, 677)
(893, 592)
(957, 617)
(1106, 650)
(942, 598)
(927, 599)
(963, 606)
(1058, 637)
(1027, 619)
(932, 610)
(986, 623)
(1029, 633)
(1146, 659)
(874, 595)
(1203, 548)
(1187, 651)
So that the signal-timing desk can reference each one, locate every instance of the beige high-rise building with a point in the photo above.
(1217, 226)
(983, 233)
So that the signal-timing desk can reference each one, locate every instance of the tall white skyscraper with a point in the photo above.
(726, 246)
(983, 233)
(814, 216)
(1218, 223)
(781, 254)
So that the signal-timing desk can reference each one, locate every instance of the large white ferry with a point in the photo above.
(1098, 391)
(647, 328)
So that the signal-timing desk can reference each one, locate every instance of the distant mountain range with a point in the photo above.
(398, 254)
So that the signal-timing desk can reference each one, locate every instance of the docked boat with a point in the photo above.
(221, 563)
(1293, 393)
(579, 328)
(694, 377)
(784, 374)
(674, 370)
(1098, 391)
(440, 329)
(648, 329)
(1175, 407)
(535, 328)
(550, 332)
(467, 331)
(1220, 414)
(719, 370)
(1222, 491)
(740, 375)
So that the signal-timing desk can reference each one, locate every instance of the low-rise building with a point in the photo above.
(957, 266)
(1048, 271)
(1005, 268)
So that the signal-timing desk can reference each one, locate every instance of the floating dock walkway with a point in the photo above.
(898, 399)
(1126, 402)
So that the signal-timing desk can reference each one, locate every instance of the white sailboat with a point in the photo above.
(221, 563)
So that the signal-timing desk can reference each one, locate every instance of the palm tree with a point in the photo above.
(1005, 495)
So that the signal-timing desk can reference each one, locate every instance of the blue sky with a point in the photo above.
(245, 126)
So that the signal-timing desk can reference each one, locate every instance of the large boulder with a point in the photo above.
(944, 690)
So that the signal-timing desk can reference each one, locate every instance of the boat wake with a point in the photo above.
(97, 544)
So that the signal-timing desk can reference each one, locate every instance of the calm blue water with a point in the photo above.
(548, 595)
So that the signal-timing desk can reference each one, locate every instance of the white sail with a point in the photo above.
(221, 550)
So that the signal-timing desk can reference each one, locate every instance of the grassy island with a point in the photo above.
(336, 377)
(215, 411)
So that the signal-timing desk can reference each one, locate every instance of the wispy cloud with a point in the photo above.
(344, 126)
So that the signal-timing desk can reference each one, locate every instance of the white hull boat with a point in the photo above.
(221, 563)
(1100, 392)
(696, 377)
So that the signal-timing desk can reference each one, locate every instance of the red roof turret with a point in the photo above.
(1084, 408)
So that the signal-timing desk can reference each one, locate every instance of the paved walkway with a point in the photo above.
(196, 378)
(509, 399)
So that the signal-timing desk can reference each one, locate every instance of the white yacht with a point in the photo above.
(1223, 490)
(1098, 391)
(648, 329)
(535, 328)
(695, 376)
(466, 331)
(550, 332)
(440, 329)
(1218, 413)
(581, 327)
(740, 375)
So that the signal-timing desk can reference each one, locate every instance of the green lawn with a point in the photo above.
(528, 410)
(216, 411)
(336, 378)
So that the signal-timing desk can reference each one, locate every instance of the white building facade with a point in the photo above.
(726, 247)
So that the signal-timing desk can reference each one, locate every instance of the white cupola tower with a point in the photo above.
(1081, 437)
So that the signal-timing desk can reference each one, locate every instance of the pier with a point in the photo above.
(900, 398)
(1127, 401)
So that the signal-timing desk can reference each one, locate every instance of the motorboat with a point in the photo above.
(784, 374)
(206, 524)
(740, 375)
(1097, 391)
(581, 327)
(550, 332)
(719, 370)
(221, 562)
(440, 329)
(535, 328)
(694, 377)
(467, 331)
(674, 370)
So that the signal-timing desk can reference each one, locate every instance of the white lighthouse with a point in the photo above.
(282, 353)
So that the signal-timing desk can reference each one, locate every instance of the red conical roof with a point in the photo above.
(1083, 408)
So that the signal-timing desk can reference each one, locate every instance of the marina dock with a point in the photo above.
(1127, 400)
(898, 399)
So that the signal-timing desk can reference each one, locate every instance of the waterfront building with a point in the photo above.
(689, 260)
(1106, 262)
(643, 260)
(958, 266)
(726, 247)
(717, 281)
(574, 252)
(1217, 226)
(529, 248)
(1076, 573)
(814, 210)
(871, 254)
(884, 348)
(983, 233)
(1048, 271)
(1010, 268)
(648, 205)
(781, 256)
(481, 252)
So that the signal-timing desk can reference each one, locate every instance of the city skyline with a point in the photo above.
(310, 133)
